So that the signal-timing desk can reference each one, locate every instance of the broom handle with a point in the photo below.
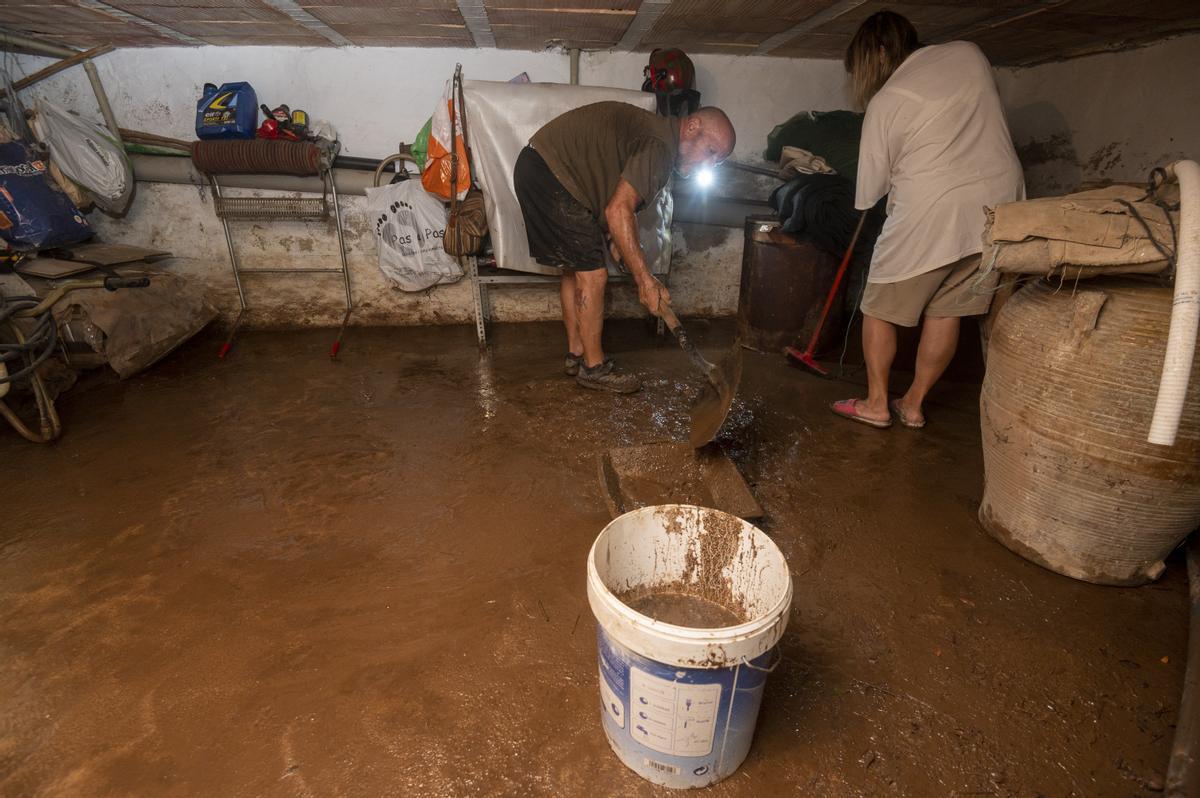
(837, 282)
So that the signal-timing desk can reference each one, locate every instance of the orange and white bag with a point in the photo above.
(439, 164)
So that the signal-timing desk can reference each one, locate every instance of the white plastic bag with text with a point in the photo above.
(409, 227)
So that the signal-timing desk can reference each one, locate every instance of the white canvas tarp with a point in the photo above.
(501, 118)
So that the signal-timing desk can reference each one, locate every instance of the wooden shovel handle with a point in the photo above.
(685, 342)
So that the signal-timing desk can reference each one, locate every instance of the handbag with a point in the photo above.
(467, 224)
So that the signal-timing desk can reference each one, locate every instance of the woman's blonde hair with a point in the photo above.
(877, 50)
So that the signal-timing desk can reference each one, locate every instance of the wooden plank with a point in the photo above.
(59, 66)
(110, 254)
(53, 268)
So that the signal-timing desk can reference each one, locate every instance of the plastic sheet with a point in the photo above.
(502, 117)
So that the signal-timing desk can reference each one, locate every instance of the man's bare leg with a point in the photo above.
(589, 310)
(570, 314)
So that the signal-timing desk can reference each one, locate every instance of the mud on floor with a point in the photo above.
(276, 575)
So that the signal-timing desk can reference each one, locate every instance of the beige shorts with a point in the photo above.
(952, 290)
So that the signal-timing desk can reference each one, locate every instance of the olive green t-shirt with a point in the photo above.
(589, 149)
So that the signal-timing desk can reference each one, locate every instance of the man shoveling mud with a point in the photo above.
(583, 178)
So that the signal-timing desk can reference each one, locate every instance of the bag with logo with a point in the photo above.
(34, 211)
(409, 228)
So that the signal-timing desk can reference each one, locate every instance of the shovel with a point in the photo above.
(712, 405)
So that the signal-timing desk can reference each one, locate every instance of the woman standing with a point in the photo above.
(935, 142)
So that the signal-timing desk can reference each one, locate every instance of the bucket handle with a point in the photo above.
(771, 668)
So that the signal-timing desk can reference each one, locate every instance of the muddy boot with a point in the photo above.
(572, 364)
(606, 377)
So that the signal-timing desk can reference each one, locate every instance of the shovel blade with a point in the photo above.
(712, 405)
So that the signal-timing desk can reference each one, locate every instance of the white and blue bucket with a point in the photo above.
(679, 704)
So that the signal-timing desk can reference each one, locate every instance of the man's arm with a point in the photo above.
(621, 216)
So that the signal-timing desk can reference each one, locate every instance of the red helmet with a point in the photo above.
(668, 71)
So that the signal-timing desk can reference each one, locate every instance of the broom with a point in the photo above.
(806, 358)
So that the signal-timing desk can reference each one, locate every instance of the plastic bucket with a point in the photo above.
(679, 704)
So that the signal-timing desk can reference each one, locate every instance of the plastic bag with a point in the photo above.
(87, 154)
(409, 228)
(439, 162)
(34, 212)
(420, 147)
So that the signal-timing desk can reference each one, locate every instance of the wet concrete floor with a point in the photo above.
(281, 576)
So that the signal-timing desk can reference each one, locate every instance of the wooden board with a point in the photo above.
(674, 473)
(53, 268)
(111, 254)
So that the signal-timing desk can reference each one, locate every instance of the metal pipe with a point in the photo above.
(174, 169)
(102, 100)
(216, 192)
(282, 270)
(574, 52)
(337, 219)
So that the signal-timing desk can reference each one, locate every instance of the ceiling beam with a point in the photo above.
(812, 23)
(125, 16)
(295, 13)
(996, 21)
(1106, 44)
(647, 14)
(474, 13)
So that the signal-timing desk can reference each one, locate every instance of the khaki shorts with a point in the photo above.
(952, 290)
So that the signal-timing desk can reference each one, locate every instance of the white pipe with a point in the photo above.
(1185, 310)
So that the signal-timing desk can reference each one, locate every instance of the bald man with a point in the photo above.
(581, 180)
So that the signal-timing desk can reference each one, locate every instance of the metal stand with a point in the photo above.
(281, 209)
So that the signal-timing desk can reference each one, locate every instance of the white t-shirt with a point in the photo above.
(934, 137)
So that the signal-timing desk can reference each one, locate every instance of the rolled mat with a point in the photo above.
(256, 157)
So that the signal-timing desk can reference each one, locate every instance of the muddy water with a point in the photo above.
(681, 609)
(276, 575)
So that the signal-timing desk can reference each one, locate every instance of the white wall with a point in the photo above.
(1104, 117)
(377, 98)
(757, 92)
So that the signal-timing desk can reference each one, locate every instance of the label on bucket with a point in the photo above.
(673, 717)
(613, 705)
(680, 727)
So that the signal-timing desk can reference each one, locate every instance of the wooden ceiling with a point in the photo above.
(1011, 32)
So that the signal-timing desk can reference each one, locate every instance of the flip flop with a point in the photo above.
(848, 408)
(903, 419)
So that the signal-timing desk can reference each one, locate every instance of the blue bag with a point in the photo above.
(230, 112)
(34, 212)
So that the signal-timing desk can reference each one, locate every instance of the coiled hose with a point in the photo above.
(258, 156)
(30, 350)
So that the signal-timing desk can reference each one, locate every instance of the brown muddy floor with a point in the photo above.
(277, 575)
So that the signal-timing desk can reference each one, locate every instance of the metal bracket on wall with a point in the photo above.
(482, 283)
(478, 293)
